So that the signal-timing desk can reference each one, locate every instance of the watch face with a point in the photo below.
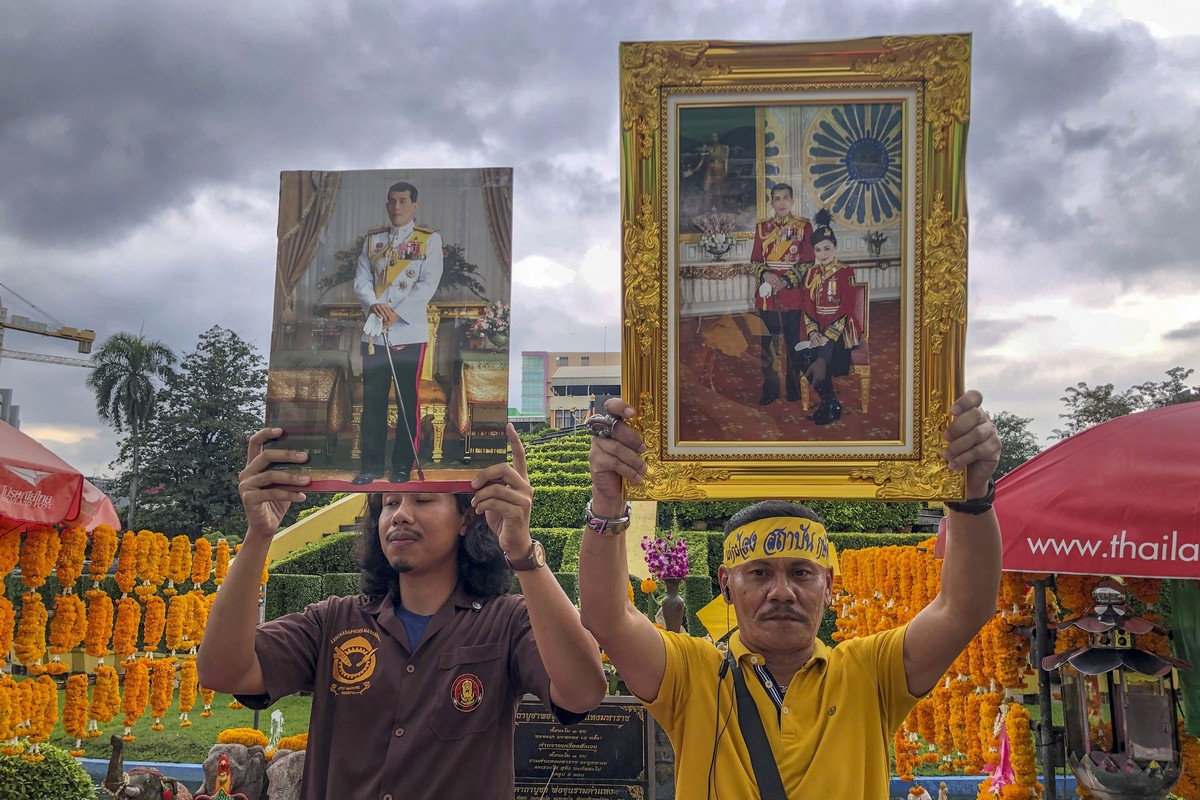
(539, 554)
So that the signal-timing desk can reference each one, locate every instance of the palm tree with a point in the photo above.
(126, 396)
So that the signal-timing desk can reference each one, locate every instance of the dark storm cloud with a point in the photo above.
(1187, 333)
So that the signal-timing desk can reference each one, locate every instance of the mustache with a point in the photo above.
(403, 532)
(780, 611)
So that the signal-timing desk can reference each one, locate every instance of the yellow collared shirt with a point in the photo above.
(830, 739)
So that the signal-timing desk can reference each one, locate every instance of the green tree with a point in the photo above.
(196, 445)
(1020, 444)
(129, 369)
(1088, 406)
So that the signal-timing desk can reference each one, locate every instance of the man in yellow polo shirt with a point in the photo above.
(828, 714)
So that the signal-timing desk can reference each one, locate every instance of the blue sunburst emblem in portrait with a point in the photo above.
(855, 162)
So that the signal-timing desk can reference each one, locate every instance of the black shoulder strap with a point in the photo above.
(766, 772)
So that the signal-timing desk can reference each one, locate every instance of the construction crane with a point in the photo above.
(84, 338)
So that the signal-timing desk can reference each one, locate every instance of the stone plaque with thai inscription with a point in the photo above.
(607, 756)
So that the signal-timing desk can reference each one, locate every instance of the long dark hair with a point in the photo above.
(482, 569)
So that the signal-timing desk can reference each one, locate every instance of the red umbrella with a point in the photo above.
(1120, 498)
(39, 488)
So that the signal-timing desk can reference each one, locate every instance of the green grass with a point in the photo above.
(188, 745)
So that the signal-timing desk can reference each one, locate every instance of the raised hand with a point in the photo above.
(972, 442)
(268, 493)
(615, 459)
(505, 498)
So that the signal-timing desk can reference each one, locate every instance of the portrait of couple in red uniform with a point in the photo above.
(793, 277)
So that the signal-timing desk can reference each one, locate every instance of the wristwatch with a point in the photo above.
(603, 525)
(980, 505)
(535, 558)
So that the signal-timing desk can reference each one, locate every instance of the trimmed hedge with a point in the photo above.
(559, 506)
(544, 480)
(58, 775)
(287, 593)
(844, 516)
(340, 584)
(332, 553)
(698, 591)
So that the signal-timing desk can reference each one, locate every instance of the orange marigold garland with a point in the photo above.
(207, 696)
(65, 630)
(75, 711)
(30, 641)
(1188, 787)
(72, 548)
(8, 715)
(201, 562)
(136, 693)
(44, 715)
(125, 633)
(8, 621)
(38, 555)
(297, 742)
(10, 550)
(246, 736)
(151, 562)
(221, 562)
(1020, 736)
(162, 687)
(126, 576)
(99, 623)
(187, 690)
(106, 700)
(154, 621)
(177, 611)
(197, 618)
(104, 549)
(179, 562)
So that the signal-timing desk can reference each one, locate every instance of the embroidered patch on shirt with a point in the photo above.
(467, 692)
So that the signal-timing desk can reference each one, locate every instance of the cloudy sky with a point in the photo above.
(141, 145)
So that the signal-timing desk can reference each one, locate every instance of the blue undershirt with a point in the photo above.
(415, 624)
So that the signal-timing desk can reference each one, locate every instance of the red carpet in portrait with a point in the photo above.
(720, 383)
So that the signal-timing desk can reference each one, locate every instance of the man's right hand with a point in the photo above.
(613, 460)
(386, 313)
(268, 493)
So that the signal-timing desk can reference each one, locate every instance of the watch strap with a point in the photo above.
(979, 505)
(536, 557)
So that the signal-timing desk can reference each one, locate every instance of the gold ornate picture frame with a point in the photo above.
(760, 364)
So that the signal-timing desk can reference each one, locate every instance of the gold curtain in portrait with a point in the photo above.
(497, 198)
(306, 200)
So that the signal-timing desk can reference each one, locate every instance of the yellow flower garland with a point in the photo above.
(75, 711)
(136, 694)
(179, 566)
(99, 623)
(1020, 738)
(126, 576)
(162, 687)
(177, 610)
(8, 620)
(125, 634)
(207, 696)
(104, 548)
(244, 736)
(38, 554)
(10, 550)
(153, 623)
(297, 742)
(8, 712)
(221, 565)
(187, 690)
(30, 641)
(197, 618)
(1188, 786)
(72, 548)
(106, 699)
(201, 562)
(66, 632)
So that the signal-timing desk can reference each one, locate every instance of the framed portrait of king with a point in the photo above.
(389, 350)
(794, 265)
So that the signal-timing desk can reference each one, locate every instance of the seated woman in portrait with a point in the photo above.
(829, 317)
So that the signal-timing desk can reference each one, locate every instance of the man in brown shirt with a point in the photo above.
(415, 682)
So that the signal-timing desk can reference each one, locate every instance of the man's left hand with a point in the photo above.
(505, 497)
(972, 442)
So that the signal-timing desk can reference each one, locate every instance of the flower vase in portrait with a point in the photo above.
(499, 340)
(672, 606)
